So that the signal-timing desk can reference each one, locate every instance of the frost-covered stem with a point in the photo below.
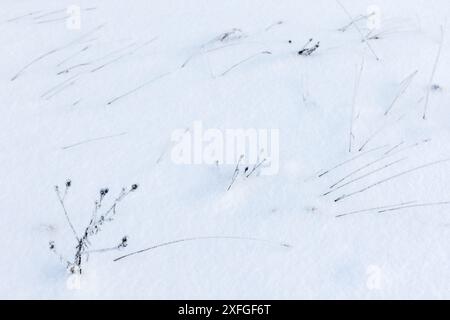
(256, 167)
(61, 201)
(358, 170)
(121, 245)
(94, 226)
(243, 61)
(358, 29)
(364, 176)
(344, 196)
(236, 172)
(349, 160)
(282, 244)
(355, 20)
(402, 207)
(394, 147)
(373, 209)
(427, 97)
(378, 132)
(355, 94)
(403, 87)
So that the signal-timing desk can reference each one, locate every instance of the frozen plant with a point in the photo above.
(247, 172)
(356, 20)
(307, 49)
(231, 35)
(98, 219)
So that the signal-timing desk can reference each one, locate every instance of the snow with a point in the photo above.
(370, 255)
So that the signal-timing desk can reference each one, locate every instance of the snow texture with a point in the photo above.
(98, 104)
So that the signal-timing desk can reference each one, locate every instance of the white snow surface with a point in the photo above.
(370, 255)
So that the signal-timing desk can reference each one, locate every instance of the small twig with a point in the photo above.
(53, 20)
(355, 94)
(358, 29)
(133, 51)
(138, 88)
(54, 51)
(432, 74)
(233, 34)
(394, 147)
(243, 61)
(73, 56)
(92, 140)
(49, 13)
(112, 53)
(120, 246)
(61, 201)
(378, 132)
(307, 51)
(355, 20)
(200, 238)
(344, 196)
(411, 146)
(67, 70)
(111, 62)
(364, 176)
(358, 170)
(22, 16)
(256, 167)
(48, 97)
(403, 87)
(373, 209)
(59, 86)
(430, 204)
(350, 160)
(273, 25)
(235, 173)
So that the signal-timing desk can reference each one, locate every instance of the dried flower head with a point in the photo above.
(124, 242)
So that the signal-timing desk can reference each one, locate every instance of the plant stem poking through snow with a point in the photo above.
(246, 172)
(83, 242)
(387, 125)
(92, 140)
(358, 170)
(308, 50)
(39, 58)
(256, 166)
(344, 196)
(138, 88)
(421, 205)
(355, 20)
(245, 60)
(349, 160)
(358, 29)
(373, 209)
(236, 172)
(351, 136)
(281, 244)
(427, 97)
(364, 176)
(61, 201)
(403, 87)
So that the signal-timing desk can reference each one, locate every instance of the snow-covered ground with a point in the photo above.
(176, 63)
